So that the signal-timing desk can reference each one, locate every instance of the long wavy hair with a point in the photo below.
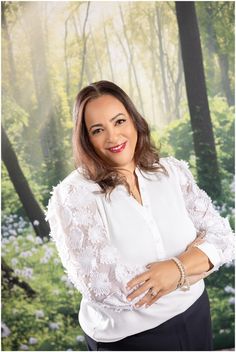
(146, 155)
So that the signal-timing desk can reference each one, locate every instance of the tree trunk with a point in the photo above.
(96, 54)
(22, 188)
(84, 39)
(162, 62)
(154, 76)
(10, 57)
(66, 60)
(204, 144)
(213, 47)
(178, 83)
(222, 58)
(130, 48)
(128, 63)
(108, 53)
(225, 82)
(10, 279)
(45, 118)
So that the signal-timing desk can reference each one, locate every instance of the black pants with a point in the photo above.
(188, 331)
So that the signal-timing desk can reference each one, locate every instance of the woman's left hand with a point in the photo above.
(161, 278)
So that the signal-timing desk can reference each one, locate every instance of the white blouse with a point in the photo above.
(103, 243)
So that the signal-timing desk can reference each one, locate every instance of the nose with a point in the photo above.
(112, 136)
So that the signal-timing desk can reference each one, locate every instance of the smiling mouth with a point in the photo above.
(118, 148)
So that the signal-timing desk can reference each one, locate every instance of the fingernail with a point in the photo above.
(137, 305)
(129, 298)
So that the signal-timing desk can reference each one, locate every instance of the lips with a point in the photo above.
(118, 148)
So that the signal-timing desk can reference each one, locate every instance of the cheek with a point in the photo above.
(96, 143)
(132, 134)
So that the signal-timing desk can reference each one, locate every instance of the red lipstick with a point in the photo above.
(118, 148)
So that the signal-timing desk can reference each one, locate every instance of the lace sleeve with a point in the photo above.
(219, 239)
(91, 262)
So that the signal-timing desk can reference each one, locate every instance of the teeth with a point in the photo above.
(117, 148)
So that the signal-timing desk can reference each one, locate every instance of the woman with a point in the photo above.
(134, 232)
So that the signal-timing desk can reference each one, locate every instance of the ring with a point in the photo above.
(153, 292)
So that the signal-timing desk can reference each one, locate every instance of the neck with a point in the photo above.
(129, 173)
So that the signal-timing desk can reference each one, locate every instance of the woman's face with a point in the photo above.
(111, 131)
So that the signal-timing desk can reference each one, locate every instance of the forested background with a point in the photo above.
(176, 62)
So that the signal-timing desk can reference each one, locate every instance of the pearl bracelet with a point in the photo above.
(183, 283)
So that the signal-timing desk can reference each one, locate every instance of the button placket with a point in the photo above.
(149, 217)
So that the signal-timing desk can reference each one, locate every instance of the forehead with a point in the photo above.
(105, 106)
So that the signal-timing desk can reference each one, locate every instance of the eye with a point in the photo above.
(96, 131)
(120, 121)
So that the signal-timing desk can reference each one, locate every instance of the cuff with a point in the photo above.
(212, 253)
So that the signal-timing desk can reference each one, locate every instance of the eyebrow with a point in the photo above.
(113, 118)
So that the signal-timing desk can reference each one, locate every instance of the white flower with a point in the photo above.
(39, 314)
(66, 217)
(44, 260)
(56, 261)
(229, 264)
(14, 261)
(87, 259)
(24, 347)
(231, 300)
(26, 254)
(27, 273)
(49, 250)
(36, 223)
(38, 240)
(100, 284)
(17, 272)
(80, 338)
(108, 255)
(12, 238)
(5, 331)
(69, 284)
(12, 232)
(96, 234)
(229, 289)
(30, 238)
(64, 278)
(54, 326)
(33, 341)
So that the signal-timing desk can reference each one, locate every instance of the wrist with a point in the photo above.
(195, 261)
(183, 283)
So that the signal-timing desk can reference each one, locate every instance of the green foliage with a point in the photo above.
(220, 287)
(52, 316)
(176, 139)
(217, 29)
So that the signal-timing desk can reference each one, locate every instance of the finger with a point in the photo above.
(149, 265)
(139, 291)
(146, 299)
(153, 299)
(137, 280)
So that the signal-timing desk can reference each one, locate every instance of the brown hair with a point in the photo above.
(96, 169)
